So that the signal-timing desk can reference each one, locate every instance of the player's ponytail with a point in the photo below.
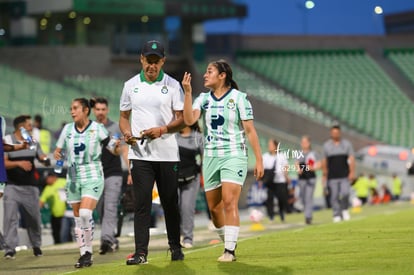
(92, 103)
(86, 103)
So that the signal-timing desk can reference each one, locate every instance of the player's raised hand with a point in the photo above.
(187, 83)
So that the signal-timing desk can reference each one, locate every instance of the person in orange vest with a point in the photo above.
(386, 194)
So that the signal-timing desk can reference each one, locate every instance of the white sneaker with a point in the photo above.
(336, 219)
(211, 226)
(345, 215)
(187, 245)
(227, 257)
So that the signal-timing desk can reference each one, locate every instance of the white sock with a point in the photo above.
(79, 236)
(231, 234)
(220, 232)
(88, 225)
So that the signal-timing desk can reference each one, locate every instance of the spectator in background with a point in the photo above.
(4, 147)
(112, 167)
(56, 134)
(396, 187)
(278, 187)
(362, 187)
(292, 197)
(68, 225)
(151, 107)
(386, 195)
(374, 196)
(55, 196)
(338, 167)
(42, 135)
(372, 181)
(327, 195)
(257, 195)
(190, 144)
(21, 191)
(306, 165)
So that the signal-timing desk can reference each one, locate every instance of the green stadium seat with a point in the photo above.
(349, 85)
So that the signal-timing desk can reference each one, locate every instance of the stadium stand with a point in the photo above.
(345, 83)
(259, 88)
(109, 88)
(25, 94)
(404, 60)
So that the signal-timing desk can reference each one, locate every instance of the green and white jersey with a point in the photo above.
(83, 150)
(152, 104)
(223, 130)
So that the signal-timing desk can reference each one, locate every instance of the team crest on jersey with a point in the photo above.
(136, 90)
(92, 133)
(164, 89)
(231, 104)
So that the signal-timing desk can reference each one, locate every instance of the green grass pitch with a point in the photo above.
(379, 240)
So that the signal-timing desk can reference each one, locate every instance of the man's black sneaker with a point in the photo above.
(11, 255)
(135, 259)
(176, 254)
(107, 246)
(37, 252)
(85, 260)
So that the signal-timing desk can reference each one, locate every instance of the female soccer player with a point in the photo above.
(83, 140)
(228, 117)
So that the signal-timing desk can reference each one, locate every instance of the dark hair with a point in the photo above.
(196, 127)
(20, 119)
(86, 103)
(336, 126)
(101, 100)
(38, 118)
(224, 67)
(275, 142)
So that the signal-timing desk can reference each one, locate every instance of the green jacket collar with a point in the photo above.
(143, 79)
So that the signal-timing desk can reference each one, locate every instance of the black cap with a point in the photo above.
(51, 173)
(153, 47)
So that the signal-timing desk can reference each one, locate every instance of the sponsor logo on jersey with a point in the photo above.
(205, 105)
(216, 121)
(79, 148)
(211, 138)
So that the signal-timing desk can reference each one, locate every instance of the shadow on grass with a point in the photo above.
(242, 268)
(179, 267)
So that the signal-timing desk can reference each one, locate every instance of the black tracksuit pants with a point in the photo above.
(144, 174)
